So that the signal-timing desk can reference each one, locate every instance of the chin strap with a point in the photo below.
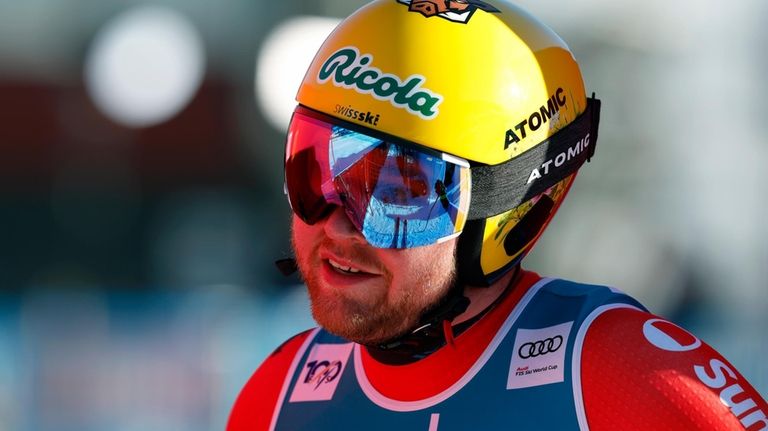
(448, 333)
(433, 332)
(436, 330)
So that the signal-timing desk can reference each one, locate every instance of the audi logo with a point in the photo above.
(540, 347)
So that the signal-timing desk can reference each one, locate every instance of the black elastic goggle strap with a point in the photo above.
(499, 188)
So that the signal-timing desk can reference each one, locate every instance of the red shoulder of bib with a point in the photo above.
(640, 372)
(254, 406)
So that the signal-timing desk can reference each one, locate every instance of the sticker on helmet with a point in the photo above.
(348, 69)
(452, 10)
(549, 110)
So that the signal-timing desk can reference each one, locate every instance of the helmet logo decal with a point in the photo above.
(346, 68)
(452, 10)
(551, 110)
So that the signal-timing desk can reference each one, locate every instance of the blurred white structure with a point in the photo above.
(145, 66)
(282, 62)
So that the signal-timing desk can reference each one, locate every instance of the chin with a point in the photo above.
(362, 328)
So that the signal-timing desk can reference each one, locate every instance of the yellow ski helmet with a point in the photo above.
(480, 80)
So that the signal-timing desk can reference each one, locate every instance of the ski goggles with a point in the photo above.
(397, 194)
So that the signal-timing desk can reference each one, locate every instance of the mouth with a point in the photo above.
(347, 264)
(342, 268)
(343, 272)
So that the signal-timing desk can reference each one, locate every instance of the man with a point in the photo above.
(432, 144)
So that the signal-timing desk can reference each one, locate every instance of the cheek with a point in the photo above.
(302, 237)
(434, 257)
(430, 267)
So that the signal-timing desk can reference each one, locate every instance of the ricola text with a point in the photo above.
(348, 69)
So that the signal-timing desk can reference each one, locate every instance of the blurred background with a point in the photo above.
(141, 202)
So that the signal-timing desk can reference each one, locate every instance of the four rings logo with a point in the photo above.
(540, 347)
(538, 356)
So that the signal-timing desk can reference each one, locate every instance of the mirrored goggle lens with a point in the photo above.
(396, 195)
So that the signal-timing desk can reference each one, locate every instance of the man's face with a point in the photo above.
(366, 294)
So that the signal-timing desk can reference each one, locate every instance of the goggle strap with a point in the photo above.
(499, 188)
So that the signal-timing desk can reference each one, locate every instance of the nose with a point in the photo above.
(338, 227)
